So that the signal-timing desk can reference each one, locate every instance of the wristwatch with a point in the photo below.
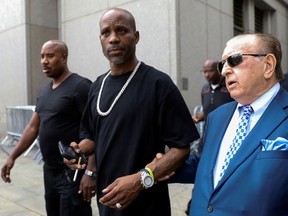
(146, 179)
(90, 173)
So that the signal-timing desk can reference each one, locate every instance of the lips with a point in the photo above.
(231, 83)
(46, 69)
(115, 50)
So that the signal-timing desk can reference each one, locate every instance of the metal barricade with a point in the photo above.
(200, 126)
(17, 118)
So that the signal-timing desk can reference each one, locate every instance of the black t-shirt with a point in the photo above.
(60, 112)
(150, 114)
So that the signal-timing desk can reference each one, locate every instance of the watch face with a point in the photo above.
(148, 181)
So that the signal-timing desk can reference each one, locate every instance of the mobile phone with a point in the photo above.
(68, 152)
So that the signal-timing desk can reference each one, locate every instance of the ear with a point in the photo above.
(269, 66)
(137, 36)
(64, 57)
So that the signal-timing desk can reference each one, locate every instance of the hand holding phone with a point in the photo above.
(69, 153)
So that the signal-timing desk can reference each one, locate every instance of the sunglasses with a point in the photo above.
(234, 60)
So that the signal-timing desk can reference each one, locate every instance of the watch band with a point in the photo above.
(150, 172)
(90, 173)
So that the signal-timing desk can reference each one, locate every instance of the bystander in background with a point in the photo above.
(57, 117)
(214, 93)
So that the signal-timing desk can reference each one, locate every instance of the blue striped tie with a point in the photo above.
(239, 137)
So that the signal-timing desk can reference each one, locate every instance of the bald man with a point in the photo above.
(59, 109)
(130, 116)
(214, 93)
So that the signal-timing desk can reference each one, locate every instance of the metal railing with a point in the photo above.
(17, 118)
(200, 126)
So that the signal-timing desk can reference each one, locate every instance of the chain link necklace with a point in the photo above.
(119, 94)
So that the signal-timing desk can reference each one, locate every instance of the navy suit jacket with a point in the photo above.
(255, 182)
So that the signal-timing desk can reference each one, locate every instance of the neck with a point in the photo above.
(57, 81)
(218, 81)
(119, 69)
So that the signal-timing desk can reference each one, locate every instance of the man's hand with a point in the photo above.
(198, 118)
(5, 171)
(72, 164)
(87, 187)
(123, 191)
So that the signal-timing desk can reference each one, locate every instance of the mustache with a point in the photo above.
(45, 67)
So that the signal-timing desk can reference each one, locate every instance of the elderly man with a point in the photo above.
(243, 169)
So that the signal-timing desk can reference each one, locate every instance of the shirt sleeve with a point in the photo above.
(176, 125)
(81, 94)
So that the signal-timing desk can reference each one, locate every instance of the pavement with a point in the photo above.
(24, 195)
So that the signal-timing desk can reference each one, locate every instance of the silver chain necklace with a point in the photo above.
(119, 94)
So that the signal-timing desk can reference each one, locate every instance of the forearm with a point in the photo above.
(91, 163)
(87, 146)
(26, 140)
(172, 159)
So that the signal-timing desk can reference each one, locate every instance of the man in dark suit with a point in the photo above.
(255, 178)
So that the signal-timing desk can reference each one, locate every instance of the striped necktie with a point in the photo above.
(239, 137)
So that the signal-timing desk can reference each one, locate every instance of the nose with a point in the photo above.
(225, 69)
(44, 60)
(113, 38)
(206, 75)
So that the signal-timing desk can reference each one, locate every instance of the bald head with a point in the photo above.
(210, 72)
(210, 63)
(58, 45)
(120, 12)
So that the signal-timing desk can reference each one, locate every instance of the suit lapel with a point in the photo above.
(215, 136)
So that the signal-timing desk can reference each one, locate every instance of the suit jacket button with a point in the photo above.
(210, 208)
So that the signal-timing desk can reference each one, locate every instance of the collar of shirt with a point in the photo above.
(260, 105)
(214, 86)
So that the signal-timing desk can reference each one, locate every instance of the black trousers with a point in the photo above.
(61, 193)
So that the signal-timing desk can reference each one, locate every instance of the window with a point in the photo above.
(258, 20)
(252, 16)
(238, 17)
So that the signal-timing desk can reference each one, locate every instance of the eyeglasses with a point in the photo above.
(234, 60)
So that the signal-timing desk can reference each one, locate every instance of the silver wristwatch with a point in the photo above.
(146, 179)
(90, 173)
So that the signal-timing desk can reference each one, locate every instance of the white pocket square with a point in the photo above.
(279, 144)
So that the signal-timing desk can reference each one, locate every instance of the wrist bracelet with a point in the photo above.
(90, 173)
(150, 172)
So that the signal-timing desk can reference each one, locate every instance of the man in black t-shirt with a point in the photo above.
(57, 117)
(133, 112)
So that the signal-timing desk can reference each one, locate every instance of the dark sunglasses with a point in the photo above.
(235, 60)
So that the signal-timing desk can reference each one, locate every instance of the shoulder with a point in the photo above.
(282, 98)
(152, 75)
(206, 86)
(77, 78)
(78, 81)
(224, 109)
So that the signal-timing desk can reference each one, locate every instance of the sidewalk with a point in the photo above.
(24, 195)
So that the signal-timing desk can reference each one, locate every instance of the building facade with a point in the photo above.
(176, 36)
